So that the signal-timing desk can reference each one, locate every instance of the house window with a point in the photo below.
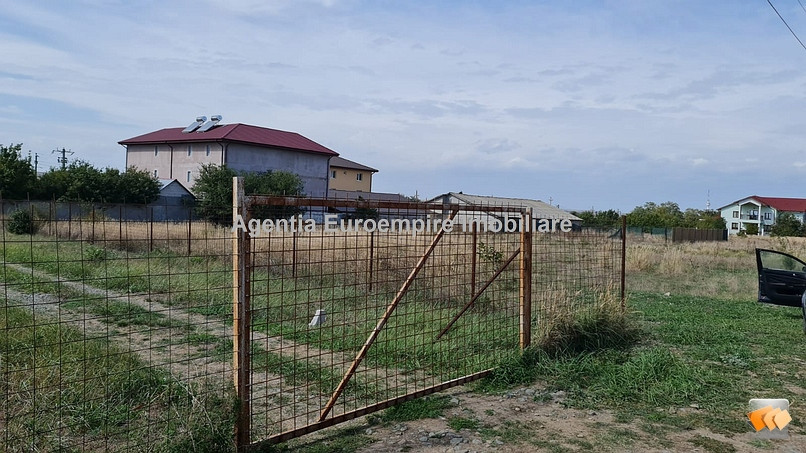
(734, 226)
(333, 174)
(188, 176)
(735, 214)
(767, 216)
(190, 149)
(359, 177)
(156, 150)
(156, 174)
(208, 150)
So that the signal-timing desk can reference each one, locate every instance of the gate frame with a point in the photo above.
(242, 316)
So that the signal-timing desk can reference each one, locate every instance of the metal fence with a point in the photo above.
(119, 335)
(114, 335)
(355, 315)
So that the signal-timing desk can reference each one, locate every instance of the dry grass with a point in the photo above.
(713, 269)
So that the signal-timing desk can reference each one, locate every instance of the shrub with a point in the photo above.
(21, 222)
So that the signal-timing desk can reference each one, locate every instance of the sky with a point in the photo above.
(587, 105)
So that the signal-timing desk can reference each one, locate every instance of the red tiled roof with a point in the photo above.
(784, 204)
(241, 133)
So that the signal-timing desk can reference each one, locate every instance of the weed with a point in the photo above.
(460, 423)
(428, 407)
(712, 445)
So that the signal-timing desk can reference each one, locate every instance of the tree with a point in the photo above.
(17, 175)
(599, 219)
(651, 215)
(80, 181)
(133, 185)
(214, 192)
(703, 219)
(787, 225)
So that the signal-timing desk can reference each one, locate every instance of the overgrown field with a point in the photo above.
(124, 342)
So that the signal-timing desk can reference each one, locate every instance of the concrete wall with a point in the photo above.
(160, 158)
(173, 162)
(346, 179)
(311, 167)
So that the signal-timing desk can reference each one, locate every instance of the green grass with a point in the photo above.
(63, 390)
(427, 407)
(460, 423)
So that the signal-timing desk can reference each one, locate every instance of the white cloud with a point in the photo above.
(464, 88)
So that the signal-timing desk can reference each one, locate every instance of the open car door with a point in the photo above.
(781, 278)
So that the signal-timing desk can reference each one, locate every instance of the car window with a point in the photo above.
(780, 261)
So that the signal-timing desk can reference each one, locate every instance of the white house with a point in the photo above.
(760, 211)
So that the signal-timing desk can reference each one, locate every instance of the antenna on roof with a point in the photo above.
(210, 124)
(195, 125)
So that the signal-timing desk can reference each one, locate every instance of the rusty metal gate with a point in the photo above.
(346, 307)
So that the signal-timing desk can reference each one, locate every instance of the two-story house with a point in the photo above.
(178, 153)
(760, 211)
(348, 175)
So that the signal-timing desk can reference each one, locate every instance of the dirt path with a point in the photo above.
(273, 396)
(532, 419)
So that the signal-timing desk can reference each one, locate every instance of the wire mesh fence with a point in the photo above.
(125, 334)
(115, 335)
(357, 313)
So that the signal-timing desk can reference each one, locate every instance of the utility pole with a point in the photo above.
(63, 159)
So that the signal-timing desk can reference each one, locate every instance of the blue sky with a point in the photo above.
(605, 104)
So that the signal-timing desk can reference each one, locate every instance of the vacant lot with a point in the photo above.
(125, 343)
(706, 348)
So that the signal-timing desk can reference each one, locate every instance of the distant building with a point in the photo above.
(380, 197)
(173, 193)
(538, 209)
(761, 212)
(348, 175)
(178, 153)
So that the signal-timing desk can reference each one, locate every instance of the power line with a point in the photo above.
(801, 6)
(787, 25)
(62, 160)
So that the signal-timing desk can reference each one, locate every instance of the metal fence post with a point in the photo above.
(623, 261)
(371, 257)
(525, 290)
(241, 328)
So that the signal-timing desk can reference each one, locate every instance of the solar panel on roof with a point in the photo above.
(210, 124)
(194, 125)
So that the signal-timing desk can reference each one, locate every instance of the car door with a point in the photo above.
(781, 278)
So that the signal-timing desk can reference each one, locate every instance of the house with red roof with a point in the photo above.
(178, 153)
(760, 211)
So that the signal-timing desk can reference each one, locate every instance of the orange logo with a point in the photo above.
(770, 416)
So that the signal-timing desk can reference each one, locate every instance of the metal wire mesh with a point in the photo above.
(344, 319)
(114, 333)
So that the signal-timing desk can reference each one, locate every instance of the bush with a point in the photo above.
(22, 222)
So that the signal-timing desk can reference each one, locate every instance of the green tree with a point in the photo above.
(213, 189)
(787, 225)
(751, 229)
(133, 185)
(652, 215)
(599, 219)
(702, 219)
(80, 181)
(17, 175)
